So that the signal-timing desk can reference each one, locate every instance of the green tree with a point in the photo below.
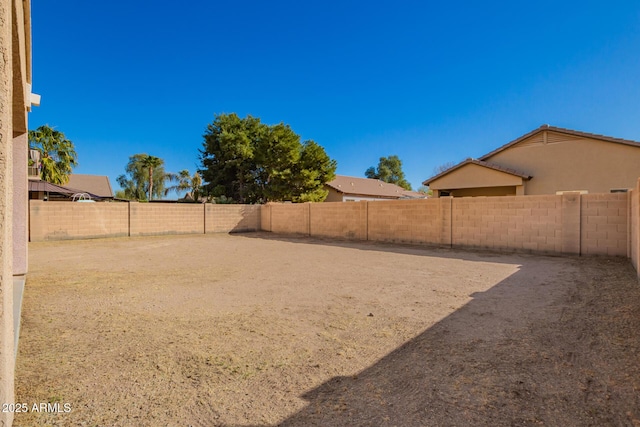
(228, 156)
(424, 189)
(151, 163)
(144, 178)
(251, 162)
(389, 170)
(57, 154)
(192, 184)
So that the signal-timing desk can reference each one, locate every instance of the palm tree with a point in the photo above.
(57, 154)
(151, 162)
(186, 182)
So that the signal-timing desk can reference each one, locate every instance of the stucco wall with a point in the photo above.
(568, 163)
(568, 224)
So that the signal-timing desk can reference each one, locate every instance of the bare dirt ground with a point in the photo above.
(261, 330)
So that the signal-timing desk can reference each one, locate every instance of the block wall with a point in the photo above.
(604, 224)
(231, 218)
(592, 224)
(409, 221)
(634, 227)
(337, 219)
(289, 218)
(531, 223)
(147, 219)
(66, 220)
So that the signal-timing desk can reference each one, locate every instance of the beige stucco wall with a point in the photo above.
(15, 90)
(20, 204)
(473, 176)
(484, 191)
(6, 212)
(333, 196)
(568, 163)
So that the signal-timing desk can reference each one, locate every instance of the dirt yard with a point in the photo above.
(261, 330)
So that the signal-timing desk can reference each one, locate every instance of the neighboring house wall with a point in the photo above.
(484, 191)
(337, 196)
(567, 162)
(334, 195)
(15, 102)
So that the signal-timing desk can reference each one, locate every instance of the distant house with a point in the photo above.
(93, 184)
(548, 160)
(353, 189)
(79, 187)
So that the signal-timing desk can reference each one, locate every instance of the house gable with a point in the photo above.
(567, 161)
(472, 174)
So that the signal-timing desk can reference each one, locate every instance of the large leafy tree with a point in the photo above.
(144, 179)
(251, 162)
(57, 154)
(389, 170)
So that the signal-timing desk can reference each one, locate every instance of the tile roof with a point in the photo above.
(94, 184)
(479, 163)
(39, 185)
(367, 187)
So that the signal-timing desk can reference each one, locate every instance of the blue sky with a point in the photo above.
(432, 82)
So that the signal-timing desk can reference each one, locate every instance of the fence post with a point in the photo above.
(570, 211)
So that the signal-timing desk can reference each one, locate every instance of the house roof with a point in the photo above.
(367, 187)
(479, 163)
(564, 131)
(93, 184)
(39, 185)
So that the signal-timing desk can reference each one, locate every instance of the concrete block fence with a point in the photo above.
(67, 220)
(588, 224)
(572, 223)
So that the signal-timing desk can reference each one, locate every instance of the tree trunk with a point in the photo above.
(150, 182)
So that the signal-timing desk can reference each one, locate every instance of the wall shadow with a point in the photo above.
(555, 343)
(419, 249)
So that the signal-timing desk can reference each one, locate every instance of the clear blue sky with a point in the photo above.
(432, 82)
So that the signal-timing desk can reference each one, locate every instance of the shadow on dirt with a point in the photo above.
(564, 351)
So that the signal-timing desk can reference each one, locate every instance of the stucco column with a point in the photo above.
(20, 203)
(6, 212)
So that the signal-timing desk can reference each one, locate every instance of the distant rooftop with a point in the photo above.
(370, 187)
